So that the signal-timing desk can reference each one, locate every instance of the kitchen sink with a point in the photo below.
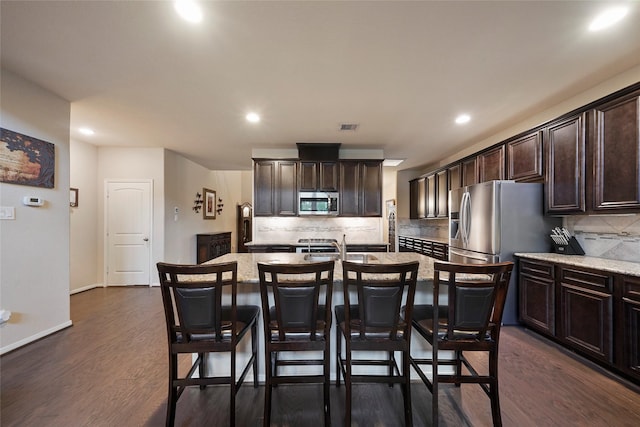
(319, 257)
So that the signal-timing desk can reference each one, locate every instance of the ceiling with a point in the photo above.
(142, 77)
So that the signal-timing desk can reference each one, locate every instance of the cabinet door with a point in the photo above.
(524, 158)
(469, 172)
(616, 155)
(431, 196)
(442, 194)
(491, 165)
(371, 188)
(287, 194)
(414, 196)
(455, 177)
(629, 360)
(565, 166)
(328, 176)
(349, 184)
(586, 312)
(537, 296)
(264, 174)
(308, 176)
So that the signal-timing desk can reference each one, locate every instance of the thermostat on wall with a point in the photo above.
(32, 201)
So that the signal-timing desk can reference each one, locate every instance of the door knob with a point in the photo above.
(146, 239)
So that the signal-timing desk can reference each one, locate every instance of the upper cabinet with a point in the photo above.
(319, 176)
(491, 164)
(614, 138)
(417, 202)
(469, 171)
(565, 160)
(360, 188)
(275, 188)
(455, 176)
(524, 158)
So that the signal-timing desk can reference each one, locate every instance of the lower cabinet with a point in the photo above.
(586, 305)
(212, 245)
(594, 312)
(437, 250)
(271, 248)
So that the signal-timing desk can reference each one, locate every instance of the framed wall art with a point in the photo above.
(209, 205)
(25, 160)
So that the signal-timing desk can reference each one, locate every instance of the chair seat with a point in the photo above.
(370, 332)
(423, 323)
(246, 315)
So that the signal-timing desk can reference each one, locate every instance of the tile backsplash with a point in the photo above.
(281, 229)
(607, 236)
(423, 228)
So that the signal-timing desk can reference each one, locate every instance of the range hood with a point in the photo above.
(316, 151)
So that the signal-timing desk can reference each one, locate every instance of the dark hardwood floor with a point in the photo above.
(109, 369)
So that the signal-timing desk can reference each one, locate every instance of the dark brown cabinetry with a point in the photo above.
(469, 171)
(491, 164)
(537, 296)
(455, 176)
(614, 135)
(524, 158)
(275, 188)
(361, 188)
(416, 198)
(593, 312)
(442, 194)
(319, 176)
(431, 196)
(212, 245)
(565, 161)
(267, 248)
(628, 353)
(424, 246)
(586, 311)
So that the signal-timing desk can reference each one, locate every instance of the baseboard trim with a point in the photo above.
(35, 337)
(86, 288)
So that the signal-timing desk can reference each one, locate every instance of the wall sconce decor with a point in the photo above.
(219, 206)
(197, 203)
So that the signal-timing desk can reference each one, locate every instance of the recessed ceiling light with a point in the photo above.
(86, 131)
(252, 118)
(462, 119)
(608, 18)
(188, 10)
(392, 162)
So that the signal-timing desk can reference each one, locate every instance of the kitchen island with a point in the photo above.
(249, 293)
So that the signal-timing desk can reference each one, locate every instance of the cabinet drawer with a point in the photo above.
(631, 288)
(587, 279)
(539, 270)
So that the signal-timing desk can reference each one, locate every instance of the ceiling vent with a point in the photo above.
(348, 126)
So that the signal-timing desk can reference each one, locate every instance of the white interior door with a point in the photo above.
(128, 228)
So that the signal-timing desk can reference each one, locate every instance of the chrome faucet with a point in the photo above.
(342, 248)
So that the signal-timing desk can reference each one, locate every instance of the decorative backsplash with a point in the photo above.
(607, 236)
(420, 228)
(281, 229)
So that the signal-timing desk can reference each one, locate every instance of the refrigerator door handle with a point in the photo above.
(468, 255)
(465, 214)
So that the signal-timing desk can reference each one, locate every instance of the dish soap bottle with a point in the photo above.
(343, 247)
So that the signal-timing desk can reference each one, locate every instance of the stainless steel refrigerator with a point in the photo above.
(489, 222)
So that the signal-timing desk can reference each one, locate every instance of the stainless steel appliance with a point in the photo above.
(317, 245)
(317, 203)
(489, 222)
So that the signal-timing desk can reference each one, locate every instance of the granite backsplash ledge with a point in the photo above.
(607, 236)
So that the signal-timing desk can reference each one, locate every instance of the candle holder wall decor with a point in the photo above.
(219, 206)
(197, 203)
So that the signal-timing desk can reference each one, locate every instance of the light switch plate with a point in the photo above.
(7, 212)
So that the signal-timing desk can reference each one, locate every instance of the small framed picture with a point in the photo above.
(73, 197)
(209, 204)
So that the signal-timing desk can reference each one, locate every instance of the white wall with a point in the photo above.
(34, 248)
(84, 218)
(183, 179)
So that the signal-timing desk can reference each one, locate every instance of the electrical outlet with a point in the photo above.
(7, 212)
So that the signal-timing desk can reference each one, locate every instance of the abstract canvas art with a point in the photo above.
(26, 160)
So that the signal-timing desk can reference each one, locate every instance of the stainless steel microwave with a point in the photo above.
(317, 203)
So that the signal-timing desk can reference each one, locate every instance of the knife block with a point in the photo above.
(573, 248)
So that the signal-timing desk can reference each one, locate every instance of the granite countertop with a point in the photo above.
(248, 268)
(610, 265)
(444, 240)
(312, 244)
